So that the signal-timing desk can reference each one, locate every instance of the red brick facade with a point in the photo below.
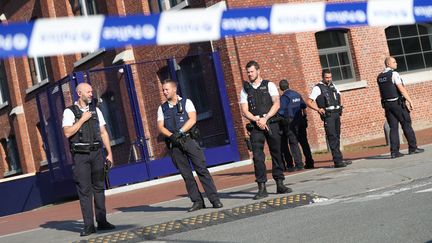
(293, 57)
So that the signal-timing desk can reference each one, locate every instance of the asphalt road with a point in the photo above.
(401, 213)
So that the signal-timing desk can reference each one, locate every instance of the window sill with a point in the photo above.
(352, 85)
(180, 5)
(3, 105)
(417, 77)
(11, 173)
(37, 86)
(88, 57)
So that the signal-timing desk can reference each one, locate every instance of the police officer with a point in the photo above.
(176, 121)
(397, 105)
(259, 100)
(293, 110)
(328, 105)
(84, 125)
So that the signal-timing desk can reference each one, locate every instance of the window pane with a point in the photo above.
(424, 29)
(395, 47)
(346, 72)
(428, 59)
(426, 43)
(411, 45)
(336, 74)
(333, 60)
(328, 39)
(91, 7)
(392, 32)
(343, 58)
(42, 68)
(3, 84)
(401, 65)
(415, 61)
(408, 30)
(323, 60)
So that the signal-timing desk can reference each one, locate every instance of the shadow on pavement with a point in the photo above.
(147, 208)
(76, 226)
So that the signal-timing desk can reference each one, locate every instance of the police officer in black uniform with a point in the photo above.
(328, 105)
(259, 100)
(176, 121)
(293, 110)
(84, 125)
(397, 105)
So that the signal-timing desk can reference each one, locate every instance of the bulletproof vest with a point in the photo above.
(328, 97)
(175, 117)
(259, 99)
(89, 132)
(388, 89)
(293, 108)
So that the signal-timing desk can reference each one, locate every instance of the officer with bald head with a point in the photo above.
(397, 105)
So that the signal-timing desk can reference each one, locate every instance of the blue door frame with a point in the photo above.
(56, 183)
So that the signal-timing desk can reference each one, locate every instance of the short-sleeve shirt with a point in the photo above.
(69, 117)
(271, 88)
(189, 107)
(316, 91)
(396, 78)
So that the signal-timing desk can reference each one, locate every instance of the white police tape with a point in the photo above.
(70, 35)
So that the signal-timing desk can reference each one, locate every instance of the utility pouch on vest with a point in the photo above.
(195, 133)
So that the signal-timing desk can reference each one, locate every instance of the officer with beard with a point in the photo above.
(259, 101)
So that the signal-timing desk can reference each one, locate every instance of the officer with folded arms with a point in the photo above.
(84, 126)
(329, 106)
(397, 105)
(176, 120)
(259, 101)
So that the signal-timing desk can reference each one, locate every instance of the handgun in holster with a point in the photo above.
(107, 167)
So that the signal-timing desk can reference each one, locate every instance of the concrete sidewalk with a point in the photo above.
(164, 202)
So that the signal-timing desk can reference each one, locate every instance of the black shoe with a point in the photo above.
(298, 168)
(217, 204)
(396, 155)
(291, 169)
(416, 151)
(347, 162)
(281, 188)
(262, 191)
(196, 206)
(309, 166)
(88, 230)
(105, 225)
(340, 165)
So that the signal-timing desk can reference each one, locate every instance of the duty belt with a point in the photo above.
(390, 99)
(85, 147)
(333, 107)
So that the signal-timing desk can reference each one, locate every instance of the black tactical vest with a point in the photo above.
(175, 117)
(259, 99)
(89, 132)
(328, 97)
(388, 89)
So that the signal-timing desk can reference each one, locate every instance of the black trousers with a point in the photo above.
(89, 178)
(303, 140)
(332, 129)
(258, 137)
(181, 158)
(396, 114)
(290, 137)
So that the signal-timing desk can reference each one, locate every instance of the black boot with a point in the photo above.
(262, 191)
(281, 188)
(88, 230)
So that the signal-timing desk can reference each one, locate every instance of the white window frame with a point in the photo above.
(84, 7)
(404, 54)
(3, 87)
(337, 50)
(165, 5)
(39, 71)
